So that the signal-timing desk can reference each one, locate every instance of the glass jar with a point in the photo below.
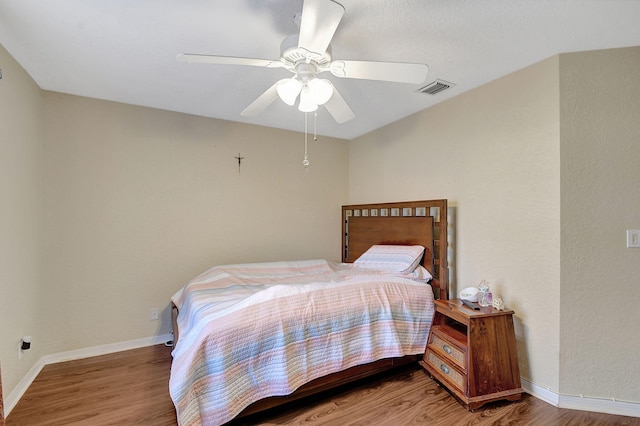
(483, 298)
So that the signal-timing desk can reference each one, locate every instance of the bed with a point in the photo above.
(253, 336)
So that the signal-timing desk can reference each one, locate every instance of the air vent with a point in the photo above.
(436, 87)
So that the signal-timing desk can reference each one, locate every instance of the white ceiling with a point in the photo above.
(125, 50)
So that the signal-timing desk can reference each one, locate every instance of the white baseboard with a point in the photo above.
(600, 405)
(14, 396)
(572, 402)
(539, 392)
(12, 399)
(105, 349)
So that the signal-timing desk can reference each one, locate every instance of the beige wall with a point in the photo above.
(20, 230)
(600, 176)
(138, 201)
(541, 170)
(494, 153)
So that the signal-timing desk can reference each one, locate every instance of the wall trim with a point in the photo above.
(544, 394)
(600, 405)
(573, 402)
(12, 398)
(105, 349)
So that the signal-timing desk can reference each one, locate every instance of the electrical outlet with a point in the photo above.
(153, 314)
(633, 238)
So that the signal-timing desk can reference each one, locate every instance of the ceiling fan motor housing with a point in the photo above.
(292, 55)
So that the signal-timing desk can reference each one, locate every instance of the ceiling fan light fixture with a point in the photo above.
(288, 90)
(307, 102)
(321, 90)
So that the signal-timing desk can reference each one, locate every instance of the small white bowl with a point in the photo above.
(470, 294)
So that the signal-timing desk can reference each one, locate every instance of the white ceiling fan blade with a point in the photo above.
(318, 24)
(228, 60)
(338, 108)
(398, 72)
(263, 101)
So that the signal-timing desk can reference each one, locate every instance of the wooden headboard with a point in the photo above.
(402, 223)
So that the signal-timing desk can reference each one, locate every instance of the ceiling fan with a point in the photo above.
(308, 54)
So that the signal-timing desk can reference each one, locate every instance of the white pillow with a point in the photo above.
(400, 259)
(421, 274)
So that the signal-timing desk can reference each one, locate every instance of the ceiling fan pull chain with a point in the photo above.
(315, 126)
(305, 162)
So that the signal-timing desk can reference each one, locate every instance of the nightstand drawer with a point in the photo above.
(450, 350)
(448, 370)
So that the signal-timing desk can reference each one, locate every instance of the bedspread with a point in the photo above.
(252, 331)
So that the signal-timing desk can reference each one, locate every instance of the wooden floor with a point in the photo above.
(131, 387)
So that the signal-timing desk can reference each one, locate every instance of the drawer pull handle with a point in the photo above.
(447, 349)
(444, 369)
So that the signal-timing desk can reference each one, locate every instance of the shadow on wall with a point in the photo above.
(1, 404)
(520, 330)
(452, 215)
(165, 325)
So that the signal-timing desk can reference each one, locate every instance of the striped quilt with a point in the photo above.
(256, 330)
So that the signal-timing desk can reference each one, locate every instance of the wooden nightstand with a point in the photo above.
(473, 353)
